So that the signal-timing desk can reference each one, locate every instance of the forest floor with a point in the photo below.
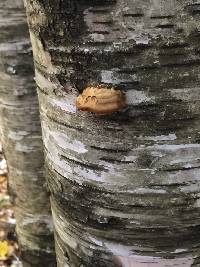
(9, 249)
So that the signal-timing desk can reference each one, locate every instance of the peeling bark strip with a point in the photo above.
(124, 187)
(21, 138)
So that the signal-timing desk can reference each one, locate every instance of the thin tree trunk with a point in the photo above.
(21, 138)
(124, 187)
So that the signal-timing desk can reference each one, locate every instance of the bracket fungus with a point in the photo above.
(100, 100)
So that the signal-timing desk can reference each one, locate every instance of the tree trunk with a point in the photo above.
(124, 187)
(21, 138)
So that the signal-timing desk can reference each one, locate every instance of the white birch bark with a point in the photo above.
(21, 138)
(124, 187)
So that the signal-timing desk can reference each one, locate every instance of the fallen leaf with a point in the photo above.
(4, 249)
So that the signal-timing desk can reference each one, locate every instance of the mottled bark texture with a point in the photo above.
(124, 187)
(21, 137)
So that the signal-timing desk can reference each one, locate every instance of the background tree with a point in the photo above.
(125, 186)
(21, 137)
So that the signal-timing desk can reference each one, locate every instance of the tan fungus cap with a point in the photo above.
(100, 100)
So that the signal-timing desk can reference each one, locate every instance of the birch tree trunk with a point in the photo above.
(124, 187)
(21, 138)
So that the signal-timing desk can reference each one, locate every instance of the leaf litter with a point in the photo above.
(9, 248)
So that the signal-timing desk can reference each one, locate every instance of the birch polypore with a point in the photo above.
(100, 100)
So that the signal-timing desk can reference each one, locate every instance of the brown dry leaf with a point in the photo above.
(3, 178)
(2, 234)
(11, 249)
(3, 187)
